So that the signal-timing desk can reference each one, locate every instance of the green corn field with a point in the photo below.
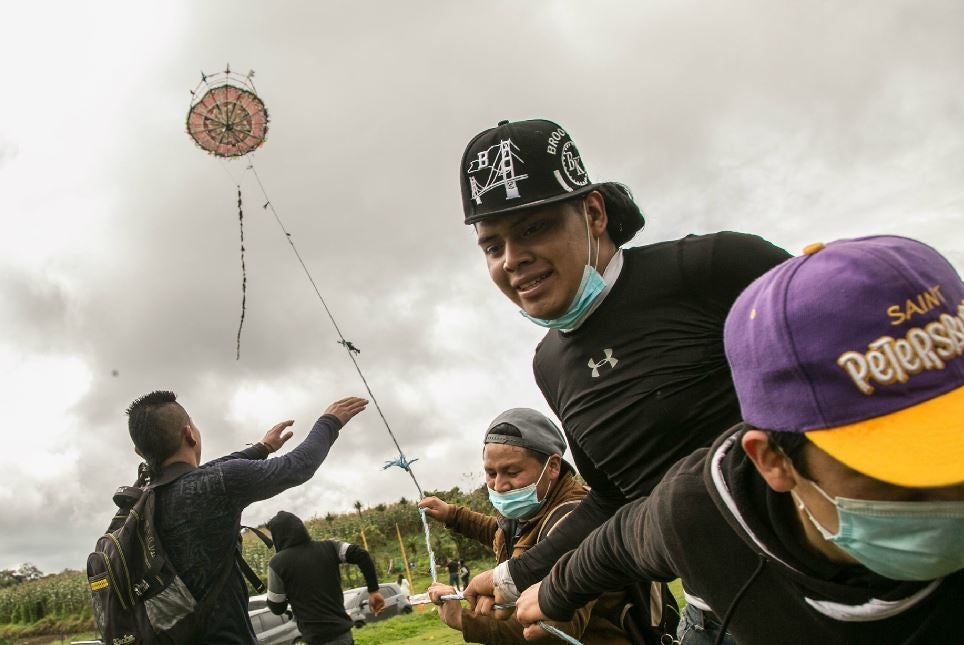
(61, 596)
(52, 603)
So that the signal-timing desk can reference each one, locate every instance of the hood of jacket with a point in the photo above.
(767, 521)
(287, 530)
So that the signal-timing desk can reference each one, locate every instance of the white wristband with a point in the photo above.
(502, 581)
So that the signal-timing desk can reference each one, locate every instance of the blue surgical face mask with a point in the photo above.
(590, 288)
(519, 503)
(898, 540)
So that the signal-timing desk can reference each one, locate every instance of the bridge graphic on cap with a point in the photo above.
(501, 170)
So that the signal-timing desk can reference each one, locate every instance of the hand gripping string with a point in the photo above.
(546, 627)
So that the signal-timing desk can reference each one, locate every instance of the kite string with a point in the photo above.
(428, 546)
(349, 348)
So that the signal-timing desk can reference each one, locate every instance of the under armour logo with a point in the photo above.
(609, 359)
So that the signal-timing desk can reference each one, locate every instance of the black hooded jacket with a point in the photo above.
(305, 573)
(738, 548)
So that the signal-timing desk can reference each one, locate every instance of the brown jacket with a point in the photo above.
(585, 625)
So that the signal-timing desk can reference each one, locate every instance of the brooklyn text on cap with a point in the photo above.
(523, 165)
(859, 344)
(537, 432)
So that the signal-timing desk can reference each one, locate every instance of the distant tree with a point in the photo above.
(358, 507)
(329, 518)
(27, 571)
(380, 508)
(403, 501)
(8, 578)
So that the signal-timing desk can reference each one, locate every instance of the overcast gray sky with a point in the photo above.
(797, 121)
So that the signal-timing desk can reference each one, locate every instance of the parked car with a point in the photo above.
(356, 604)
(270, 629)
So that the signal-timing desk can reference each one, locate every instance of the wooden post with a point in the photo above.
(364, 541)
(401, 546)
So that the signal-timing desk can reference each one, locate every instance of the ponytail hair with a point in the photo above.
(624, 215)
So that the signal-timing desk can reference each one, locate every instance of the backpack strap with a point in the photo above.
(249, 573)
(170, 473)
(264, 538)
(246, 569)
(167, 476)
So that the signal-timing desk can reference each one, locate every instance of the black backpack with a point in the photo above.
(137, 596)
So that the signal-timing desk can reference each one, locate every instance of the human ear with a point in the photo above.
(188, 433)
(555, 466)
(596, 212)
(771, 463)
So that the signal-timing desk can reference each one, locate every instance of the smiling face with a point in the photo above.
(537, 258)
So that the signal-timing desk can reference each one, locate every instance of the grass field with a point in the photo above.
(418, 627)
(412, 629)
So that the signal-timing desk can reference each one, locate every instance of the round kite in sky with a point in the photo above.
(228, 119)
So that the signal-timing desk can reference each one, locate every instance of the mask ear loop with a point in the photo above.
(544, 468)
(595, 265)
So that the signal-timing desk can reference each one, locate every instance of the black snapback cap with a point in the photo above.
(522, 165)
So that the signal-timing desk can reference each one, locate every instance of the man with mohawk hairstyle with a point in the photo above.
(198, 512)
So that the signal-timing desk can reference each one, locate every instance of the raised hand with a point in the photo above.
(276, 436)
(346, 408)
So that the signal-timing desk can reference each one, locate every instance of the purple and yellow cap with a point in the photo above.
(860, 345)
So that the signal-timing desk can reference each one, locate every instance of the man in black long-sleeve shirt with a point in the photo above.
(633, 361)
(305, 573)
(198, 515)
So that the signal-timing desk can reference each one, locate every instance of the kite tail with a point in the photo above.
(244, 278)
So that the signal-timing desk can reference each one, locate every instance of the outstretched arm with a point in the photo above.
(250, 481)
